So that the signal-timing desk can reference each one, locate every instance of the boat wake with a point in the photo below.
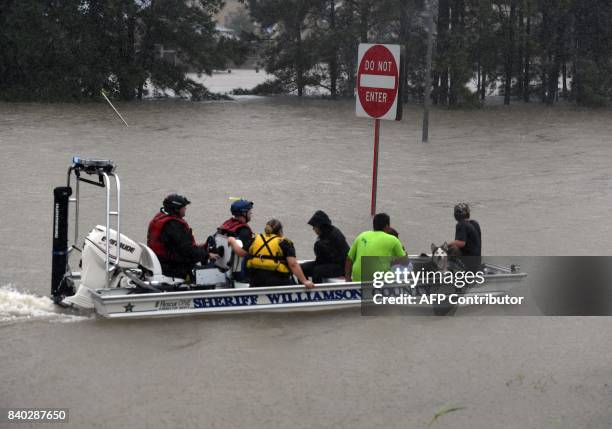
(17, 306)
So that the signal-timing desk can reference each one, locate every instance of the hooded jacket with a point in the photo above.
(331, 246)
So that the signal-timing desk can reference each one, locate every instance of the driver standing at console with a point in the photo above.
(171, 238)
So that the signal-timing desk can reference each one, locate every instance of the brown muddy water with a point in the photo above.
(538, 180)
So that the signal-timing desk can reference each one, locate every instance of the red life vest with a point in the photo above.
(231, 226)
(156, 227)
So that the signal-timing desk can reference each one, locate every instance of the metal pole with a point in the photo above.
(118, 190)
(433, 10)
(76, 213)
(111, 105)
(375, 166)
(107, 232)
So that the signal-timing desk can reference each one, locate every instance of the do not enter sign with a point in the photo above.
(378, 93)
(378, 78)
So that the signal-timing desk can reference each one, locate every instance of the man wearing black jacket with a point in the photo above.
(468, 238)
(171, 238)
(330, 249)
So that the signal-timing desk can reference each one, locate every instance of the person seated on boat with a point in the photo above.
(403, 263)
(171, 239)
(271, 259)
(330, 249)
(374, 243)
(468, 238)
(237, 228)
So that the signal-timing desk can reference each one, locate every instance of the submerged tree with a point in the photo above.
(520, 49)
(287, 27)
(72, 49)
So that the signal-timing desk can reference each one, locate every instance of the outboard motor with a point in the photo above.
(93, 273)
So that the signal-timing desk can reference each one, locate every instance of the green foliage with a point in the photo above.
(595, 84)
(592, 52)
(269, 87)
(240, 21)
(522, 49)
(516, 48)
(71, 49)
(289, 41)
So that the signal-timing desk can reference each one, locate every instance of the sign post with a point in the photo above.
(378, 93)
(375, 167)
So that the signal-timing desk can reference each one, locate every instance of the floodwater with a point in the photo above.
(538, 181)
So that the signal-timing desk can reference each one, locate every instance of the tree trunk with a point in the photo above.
(351, 59)
(443, 37)
(428, 60)
(147, 47)
(526, 72)
(478, 71)
(553, 83)
(364, 14)
(333, 61)
(510, 53)
(483, 86)
(455, 35)
(126, 79)
(435, 88)
(403, 40)
(521, 46)
(299, 72)
(564, 71)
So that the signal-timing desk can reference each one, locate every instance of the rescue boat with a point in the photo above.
(122, 278)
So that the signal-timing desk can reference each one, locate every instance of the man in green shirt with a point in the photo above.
(374, 243)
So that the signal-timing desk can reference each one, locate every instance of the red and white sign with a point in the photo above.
(378, 79)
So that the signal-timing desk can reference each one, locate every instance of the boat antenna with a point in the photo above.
(111, 105)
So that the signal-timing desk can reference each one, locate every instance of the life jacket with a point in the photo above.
(231, 226)
(266, 254)
(156, 227)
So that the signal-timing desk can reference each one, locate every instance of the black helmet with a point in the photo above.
(175, 202)
(241, 207)
(462, 211)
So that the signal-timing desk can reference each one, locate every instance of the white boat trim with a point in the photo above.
(124, 303)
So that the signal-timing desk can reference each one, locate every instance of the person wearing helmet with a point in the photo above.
(237, 228)
(468, 237)
(330, 249)
(171, 239)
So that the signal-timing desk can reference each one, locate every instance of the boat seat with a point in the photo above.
(334, 280)
(149, 261)
(325, 280)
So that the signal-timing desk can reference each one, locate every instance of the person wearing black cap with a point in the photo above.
(468, 237)
(171, 238)
(330, 249)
